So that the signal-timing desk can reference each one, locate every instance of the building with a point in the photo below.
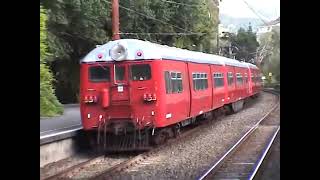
(268, 27)
(224, 30)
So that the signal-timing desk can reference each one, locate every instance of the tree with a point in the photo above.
(246, 43)
(271, 59)
(49, 105)
(76, 26)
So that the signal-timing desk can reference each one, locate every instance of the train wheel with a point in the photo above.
(176, 131)
(160, 137)
(237, 106)
(228, 110)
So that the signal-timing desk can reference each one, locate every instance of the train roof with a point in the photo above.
(149, 51)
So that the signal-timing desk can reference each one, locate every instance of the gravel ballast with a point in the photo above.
(188, 159)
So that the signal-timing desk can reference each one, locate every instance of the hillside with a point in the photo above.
(239, 22)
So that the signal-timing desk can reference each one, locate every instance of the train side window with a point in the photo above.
(179, 82)
(99, 73)
(140, 72)
(245, 77)
(218, 80)
(252, 77)
(239, 79)
(200, 81)
(194, 78)
(230, 78)
(168, 82)
(173, 82)
(205, 81)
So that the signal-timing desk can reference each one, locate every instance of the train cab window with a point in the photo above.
(140, 72)
(99, 73)
(230, 78)
(119, 73)
(173, 82)
(252, 77)
(200, 81)
(218, 80)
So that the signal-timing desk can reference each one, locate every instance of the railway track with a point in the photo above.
(100, 160)
(244, 158)
(140, 159)
(113, 166)
(143, 158)
(116, 164)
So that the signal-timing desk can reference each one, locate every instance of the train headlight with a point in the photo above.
(119, 52)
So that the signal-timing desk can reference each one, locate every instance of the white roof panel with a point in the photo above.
(158, 52)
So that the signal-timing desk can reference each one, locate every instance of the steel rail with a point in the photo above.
(216, 166)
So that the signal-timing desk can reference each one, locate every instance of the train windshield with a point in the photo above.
(99, 73)
(140, 72)
(120, 73)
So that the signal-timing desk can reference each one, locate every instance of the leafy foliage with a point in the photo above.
(49, 105)
(76, 26)
(271, 61)
(246, 43)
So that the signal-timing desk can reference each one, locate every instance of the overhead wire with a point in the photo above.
(178, 3)
(254, 11)
(155, 19)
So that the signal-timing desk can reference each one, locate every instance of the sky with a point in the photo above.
(269, 9)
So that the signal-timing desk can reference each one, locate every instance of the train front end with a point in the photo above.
(118, 97)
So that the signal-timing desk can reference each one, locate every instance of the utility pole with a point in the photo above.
(115, 20)
(218, 48)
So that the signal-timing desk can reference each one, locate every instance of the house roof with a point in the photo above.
(274, 22)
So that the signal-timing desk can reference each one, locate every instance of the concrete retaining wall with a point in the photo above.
(57, 150)
(62, 146)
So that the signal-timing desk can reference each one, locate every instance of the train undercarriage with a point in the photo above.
(121, 135)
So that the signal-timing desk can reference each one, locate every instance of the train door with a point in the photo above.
(237, 83)
(250, 81)
(231, 83)
(253, 75)
(143, 96)
(243, 85)
(120, 88)
(201, 88)
(177, 92)
(218, 96)
(246, 82)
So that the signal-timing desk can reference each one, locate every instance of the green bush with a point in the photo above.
(49, 104)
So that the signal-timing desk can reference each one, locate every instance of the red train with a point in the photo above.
(135, 92)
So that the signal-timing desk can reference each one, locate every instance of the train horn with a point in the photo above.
(119, 52)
